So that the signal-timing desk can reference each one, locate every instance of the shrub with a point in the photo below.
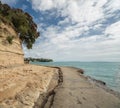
(10, 39)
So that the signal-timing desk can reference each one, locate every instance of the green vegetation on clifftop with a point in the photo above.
(22, 22)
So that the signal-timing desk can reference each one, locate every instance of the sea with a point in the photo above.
(109, 72)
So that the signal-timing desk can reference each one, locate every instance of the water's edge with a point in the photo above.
(98, 83)
(108, 72)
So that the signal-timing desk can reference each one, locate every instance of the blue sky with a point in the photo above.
(74, 30)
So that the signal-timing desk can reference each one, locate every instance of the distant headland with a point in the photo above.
(27, 60)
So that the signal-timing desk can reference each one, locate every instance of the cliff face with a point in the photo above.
(10, 53)
(21, 86)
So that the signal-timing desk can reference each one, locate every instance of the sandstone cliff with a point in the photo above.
(21, 85)
(10, 54)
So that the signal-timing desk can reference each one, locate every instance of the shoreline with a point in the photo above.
(101, 87)
(98, 83)
(36, 86)
(108, 74)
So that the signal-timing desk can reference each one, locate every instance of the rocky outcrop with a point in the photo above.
(10, 53)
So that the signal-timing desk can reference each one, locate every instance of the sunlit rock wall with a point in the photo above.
(10, 53)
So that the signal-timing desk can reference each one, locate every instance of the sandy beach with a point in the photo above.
(31, 86)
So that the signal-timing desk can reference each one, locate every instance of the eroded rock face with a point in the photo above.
(21, 86)
(10, 53)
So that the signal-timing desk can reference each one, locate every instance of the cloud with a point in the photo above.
(24, 7)
(75, 10)
(113, 30)
(43, 5)
(10, 2)
(86, 31)
(113, 5)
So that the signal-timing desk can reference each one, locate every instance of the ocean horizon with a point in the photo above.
(108, 72)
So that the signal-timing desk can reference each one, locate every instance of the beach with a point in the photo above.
(75, 63)
(31, 86)
(108, 72)
(78, 91)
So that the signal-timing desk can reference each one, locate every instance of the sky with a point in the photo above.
(74, 30)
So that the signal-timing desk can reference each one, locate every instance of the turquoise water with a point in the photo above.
(108, 72)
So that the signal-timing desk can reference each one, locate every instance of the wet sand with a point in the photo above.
(77, 91)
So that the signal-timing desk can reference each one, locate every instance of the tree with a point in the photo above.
(22, 22)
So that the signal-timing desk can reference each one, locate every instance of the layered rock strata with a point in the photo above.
(10, 53)
(21, 85)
